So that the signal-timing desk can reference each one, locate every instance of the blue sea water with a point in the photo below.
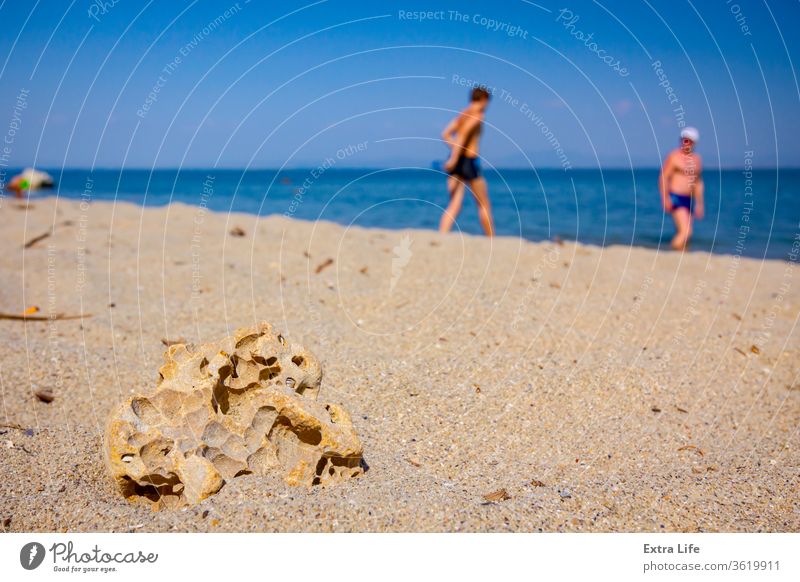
(591, 206)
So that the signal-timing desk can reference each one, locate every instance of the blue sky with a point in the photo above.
(290, 84)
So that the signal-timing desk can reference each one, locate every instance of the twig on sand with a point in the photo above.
(31, 317)
(36, 239)
(44, 235)
(12, 425)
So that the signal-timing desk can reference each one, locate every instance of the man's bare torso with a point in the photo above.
(685, 168)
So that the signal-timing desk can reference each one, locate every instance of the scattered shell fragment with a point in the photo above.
(497, 496)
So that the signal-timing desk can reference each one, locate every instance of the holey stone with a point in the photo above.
(245, 404)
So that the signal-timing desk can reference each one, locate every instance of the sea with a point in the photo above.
(752, 213)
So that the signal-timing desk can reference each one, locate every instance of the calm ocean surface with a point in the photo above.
(602, 208)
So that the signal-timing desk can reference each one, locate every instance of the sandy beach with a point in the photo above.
(604, 389)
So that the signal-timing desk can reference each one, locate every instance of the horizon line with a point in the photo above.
(372, 168)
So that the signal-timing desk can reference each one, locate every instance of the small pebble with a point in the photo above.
(45, 396)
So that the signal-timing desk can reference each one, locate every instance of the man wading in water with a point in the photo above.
(462, 135)
(681, 185)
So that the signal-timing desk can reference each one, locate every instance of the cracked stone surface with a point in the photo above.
(245, 404)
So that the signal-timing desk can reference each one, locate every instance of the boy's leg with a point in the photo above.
(456, 189)
(481, 192)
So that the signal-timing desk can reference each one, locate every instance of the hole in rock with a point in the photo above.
(219, 398)
(157, 486)
(152, 452)
(145, 410)
(307, 436)
(269, 373)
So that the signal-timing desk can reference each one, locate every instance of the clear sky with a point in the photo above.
(274, 84)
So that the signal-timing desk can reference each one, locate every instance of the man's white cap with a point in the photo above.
(691, 133)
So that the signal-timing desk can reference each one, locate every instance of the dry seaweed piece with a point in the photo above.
(694, 448)
(537, 483)
(169, 342)
(30, 317)
(237, 231)
(755, 349)
(323, 265)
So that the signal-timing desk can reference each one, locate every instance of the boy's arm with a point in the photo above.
(470, 123)
(447, 133)
(663, 187)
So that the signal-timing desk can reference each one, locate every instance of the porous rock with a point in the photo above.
(245, 404)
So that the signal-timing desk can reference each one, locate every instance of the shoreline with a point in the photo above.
(557, 239)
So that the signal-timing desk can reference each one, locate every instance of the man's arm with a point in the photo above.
(698, 191)
(663, 183)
